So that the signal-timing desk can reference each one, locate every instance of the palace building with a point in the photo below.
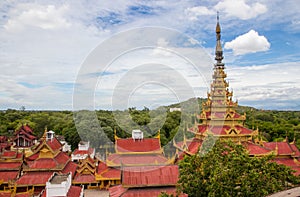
(47, 158)
(138, 165)
(24, 137)
(220, 119)
(142, 167)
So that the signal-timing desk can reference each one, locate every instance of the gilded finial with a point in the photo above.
(286, 137)
(218, 29)
(115, 134)
(219, 51)
(158, 134)
(294, 139)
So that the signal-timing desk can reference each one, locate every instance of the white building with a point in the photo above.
(84, 150)
(61, 185)
(66, 147)
(175, 109)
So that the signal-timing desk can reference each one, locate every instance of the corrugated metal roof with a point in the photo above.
(141, 176)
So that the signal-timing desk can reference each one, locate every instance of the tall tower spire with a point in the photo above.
(219, 51)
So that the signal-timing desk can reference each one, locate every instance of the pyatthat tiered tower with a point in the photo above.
(219, 116)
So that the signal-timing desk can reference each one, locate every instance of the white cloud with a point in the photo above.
(250, 42)
(240, 9)
(194, 12)
(45, 17)
(271, 86)
(44, 43)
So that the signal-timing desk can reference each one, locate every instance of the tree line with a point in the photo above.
(273, 125)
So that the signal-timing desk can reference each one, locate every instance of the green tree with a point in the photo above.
(227, 170)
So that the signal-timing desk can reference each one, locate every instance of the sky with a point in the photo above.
(158, 52)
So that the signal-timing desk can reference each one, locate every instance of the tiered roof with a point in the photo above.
(5, 144)
(24, 136)
(86, 171)
(10, 165)
(141, 166)
(47, 157)
(107, 173)
(219, 116)
(132, 152)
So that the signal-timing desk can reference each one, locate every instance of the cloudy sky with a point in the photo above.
(46, 47)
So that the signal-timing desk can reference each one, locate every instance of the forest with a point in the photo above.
(100, 125)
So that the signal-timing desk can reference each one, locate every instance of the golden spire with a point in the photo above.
(158, 134)
(294, 139)
(219, 51)
(45, 133)
(115, 134)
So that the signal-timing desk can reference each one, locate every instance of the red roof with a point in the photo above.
(5, 194)
(118, 190)
(23, 195)
(5, 145)
(255, 149)
(62, 157)
(3, 138)
(290, 163)
(33, 157)
(34, 178)
(194, 145)
(144, 145)
(8, 175)
(43, 163)
(54, 144)
(119, 159)
(24, 132)
(70, 167)
(221, 130)
(111, 173)
(108, 172)
(83, 152)
(25, 128)
(284, 148)
(74, 191)
(84, 178)
(295, 149)
(4, 166)
(222, 115)
(11, 154)
(101, 167)
(141, 176)
(286, 161)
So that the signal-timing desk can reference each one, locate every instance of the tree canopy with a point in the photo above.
(228, 170)
(273, 125)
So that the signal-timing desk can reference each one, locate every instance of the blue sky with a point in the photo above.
(45, 43)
